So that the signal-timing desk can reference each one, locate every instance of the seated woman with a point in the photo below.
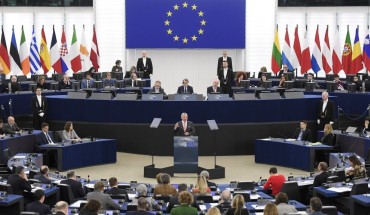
(237, 206)
(282, 83)
(328, 137)
(201, 187)
(270, 209)
(239, 77)
(357, 170)
(262, 79)
(69, 134)
(41, 83)
(185, 200)
(365, 128)
(142, 191)
(92, 207)
(132, 70)
(117, 67)
(262, 70)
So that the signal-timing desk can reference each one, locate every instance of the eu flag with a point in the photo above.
(185, 24)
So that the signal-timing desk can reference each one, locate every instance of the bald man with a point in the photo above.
(11, 127)
(214, 88)
(225, 201)
(325, 113)
(145, 64)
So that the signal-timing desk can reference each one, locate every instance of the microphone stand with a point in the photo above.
(338, 117)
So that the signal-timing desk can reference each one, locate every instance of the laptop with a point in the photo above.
(351, 129)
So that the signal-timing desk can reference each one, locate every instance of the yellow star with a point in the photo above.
(169, 13)
(176, 38)
(185, 40)
(200, 13)
(176, 7)
(167, 22)
(194, 38)
(203, 22)
(200, 31)
(194, 7)
(185, 4)
(169, 31)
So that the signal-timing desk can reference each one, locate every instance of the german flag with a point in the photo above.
(4, 56)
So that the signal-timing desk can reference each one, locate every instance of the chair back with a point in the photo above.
(292, 190)
(246, 185)
(119, 196)
(204, 198)
(360, 188)
(66, 193)
(163, 198)
(329, 210)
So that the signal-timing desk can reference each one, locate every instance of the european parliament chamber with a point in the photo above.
(182, 107)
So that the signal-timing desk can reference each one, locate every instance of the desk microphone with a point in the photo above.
(88, 178)
(259, 180)
(298, 174)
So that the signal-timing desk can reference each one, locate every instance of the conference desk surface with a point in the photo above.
(294, 154)
(12, 204)
(71, 156)
(360, 204)
(353, 143)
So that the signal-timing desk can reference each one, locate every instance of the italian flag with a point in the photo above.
(23, 54)
(75, 53)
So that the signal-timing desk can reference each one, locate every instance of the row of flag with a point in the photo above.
(324, 57)
(30, 60)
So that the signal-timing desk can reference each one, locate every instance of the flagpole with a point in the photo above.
(296, 69)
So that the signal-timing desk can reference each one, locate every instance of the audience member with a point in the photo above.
(328, 137)
(237, 206)
(19, 181)
(133, 82)
(38, 205)
(158, 178)
(88, 82)
(213, 211)
(61, 208)
(69, 134)
(11, 127)
(43, 177)
(226, 77)
(45, 137)
(142, 205)
(174, 200)
(357, 169)
(222, 59)
(310, 78)
(104, 199)
(165, 189)
(201, 186)
(281, 201)
(323, 176)
(132, 70)
(214, 88)
(282, 83)
(142, 191)
(275, 181)
(65, 83)
(157, 88)
(145, 64)
(240, 76)
(117, 67)
(91, 208)
(76, 186)
(326, 111)
(270, 209)
(1, 128)
(284, 70)
(185, 200)
(365, 128)
(114, 190)
(39, 108)
(225, 201)
(185, 88)
(316, 206)
(262, 70)
(302, 133)
(41, 83)
(262, 80)
(12, 86)
(205, 174)
(358, 83)
(340, 85)
(184, 127)
(108, 81)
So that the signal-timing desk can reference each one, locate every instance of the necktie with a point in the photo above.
(48, 138)
(300, 135)
(184, 126)
(185, 89)
(87, 84)
(215, 89)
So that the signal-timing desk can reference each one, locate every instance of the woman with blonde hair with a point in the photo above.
(328, 137)
(270, 209)
(201, 186)
(237, 206)
(213, 211)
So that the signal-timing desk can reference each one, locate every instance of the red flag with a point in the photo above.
(4, 56)
(297, 49)
(306, 55)
(326, 55)
(94, 54)
(337, 62)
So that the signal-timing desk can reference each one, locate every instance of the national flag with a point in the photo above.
(347, 54)
(23, 54)
(326, 55)
(366, 51)
(4, 56)
(296, 51)
(63, 53)
(316, 59)
(94, 53)
(337, 61)
(276, 53)
(35, 62)
(306, 55)
(84, 52)
(356, 55)
(54, 53)
(15, 61)
(44, 53)
(74, 54)
(287, 52)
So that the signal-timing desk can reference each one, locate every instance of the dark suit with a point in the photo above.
(130, 81)
(320, 179)
(181, 90)
(117, 191)
(116, 69)
(174, 200)
(38, 108)
(328, 139)
(38, 207)
(84, 83)
(358, 85)
(42, 86)
(76, 187)
(220, 63)
(211, 90)
(282, 72)
(42, 139)
(226, 81)
(147, 68)
(362, 129)
(306, 135)
(11, 129)
(138, 213)
(224, 207)
(42, 179)
(15, 87)
(189, 128)
(18, 184)
(63, 85)
(327, 115)
(161, 90)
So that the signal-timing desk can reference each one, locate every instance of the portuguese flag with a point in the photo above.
(347, 54)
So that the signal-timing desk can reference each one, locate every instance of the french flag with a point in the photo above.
(316, 59)
(287, 55)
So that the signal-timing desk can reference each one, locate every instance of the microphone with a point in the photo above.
(259, 180)
(88, 178)
(298, 174)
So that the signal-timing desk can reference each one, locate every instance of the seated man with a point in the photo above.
(11, 127)
(275, 181)
(114, 190)
(65, 83)
(185, 88)
(133, 81)
(104, 199)
(285, 70)
(88, 82)
(38, 205)
(19, 181)
(302, 133)
(61, 208)
(165, 188)
(108, 81)
(76, 186)
(43, 177)
(214, 88)
(44, 136)
(12, 86)
(141, 208)
(157, 88)
(323, 176)
(225, 201)
(283, 207)
(316, 206)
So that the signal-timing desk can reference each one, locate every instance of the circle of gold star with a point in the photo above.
(182, 38)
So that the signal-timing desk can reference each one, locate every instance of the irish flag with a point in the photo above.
(23, 54)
